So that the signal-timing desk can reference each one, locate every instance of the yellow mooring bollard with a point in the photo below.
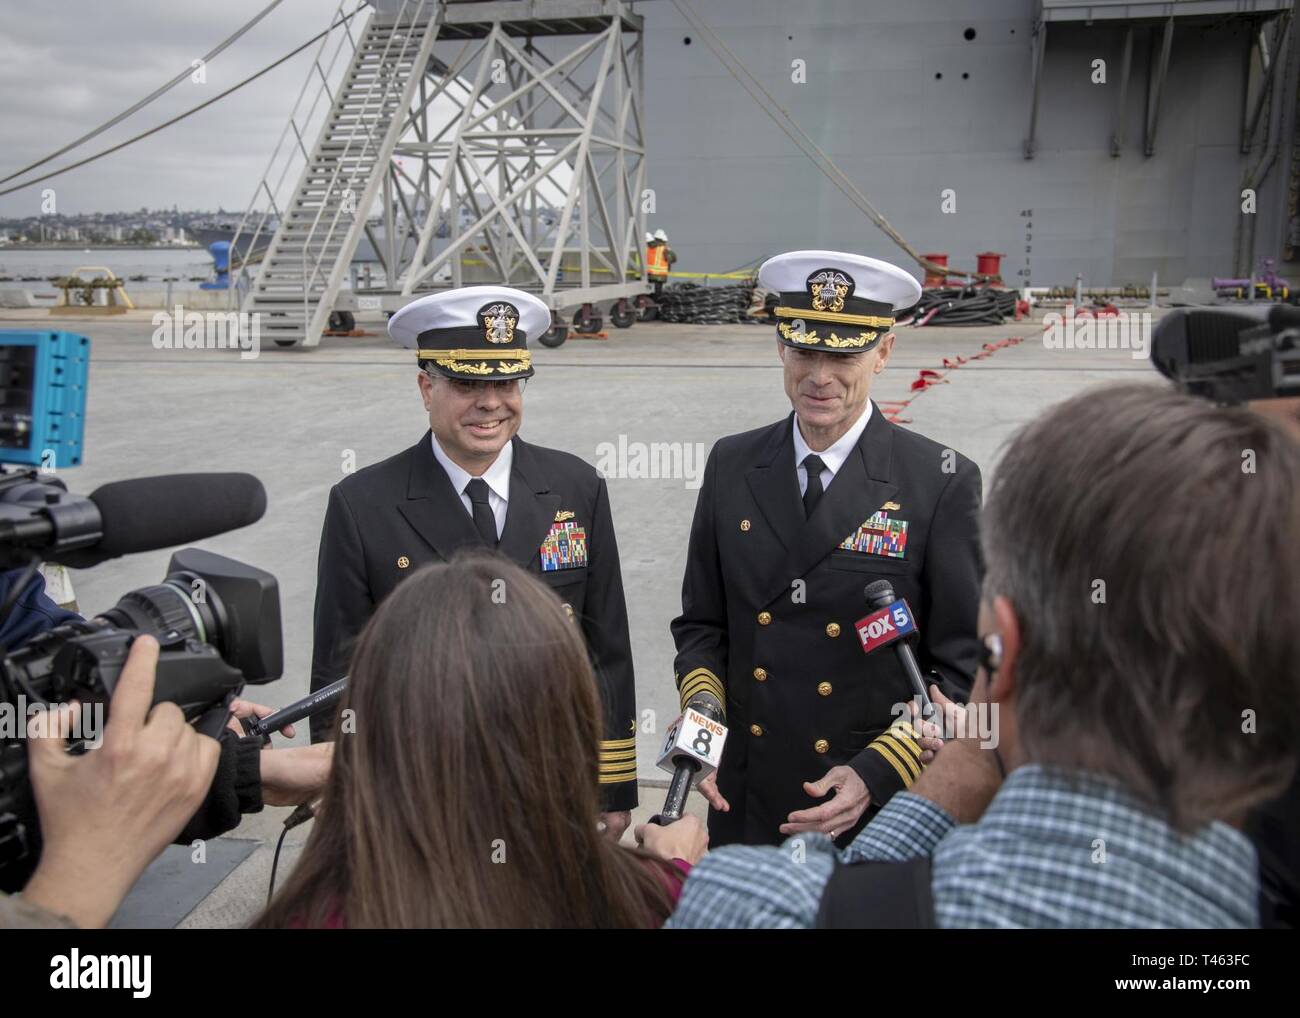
(78, 295)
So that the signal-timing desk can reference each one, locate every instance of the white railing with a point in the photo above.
(256, 226)
(378, 123)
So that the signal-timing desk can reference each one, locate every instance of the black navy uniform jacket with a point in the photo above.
(386, 520)
(800, 694)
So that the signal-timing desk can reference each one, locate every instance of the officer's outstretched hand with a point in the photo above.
(615, 823)
(709, 789)
(840, 813)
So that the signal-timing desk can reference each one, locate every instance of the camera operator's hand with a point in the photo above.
(105, 815)
(295, 774)
(248, 709)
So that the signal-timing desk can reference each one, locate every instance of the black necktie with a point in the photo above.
(813, 493)
(484, 519)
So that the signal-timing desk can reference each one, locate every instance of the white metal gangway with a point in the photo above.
(513, 154)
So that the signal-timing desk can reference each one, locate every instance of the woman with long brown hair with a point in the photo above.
(464, 790)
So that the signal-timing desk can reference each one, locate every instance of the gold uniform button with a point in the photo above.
(745, 525)
(403, 562)
(822, 746)
(824, 688)
(760, 674)
(833, 629)
(764, 618)
(755, 729)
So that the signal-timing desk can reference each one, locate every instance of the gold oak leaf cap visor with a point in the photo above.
(834, 301)
(477, 333)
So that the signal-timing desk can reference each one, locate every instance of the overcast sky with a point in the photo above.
(67, 66)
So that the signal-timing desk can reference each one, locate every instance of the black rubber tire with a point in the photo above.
(649, 313)
(554, 336)
(622, 316)
(342, 321)
(587, 326)
(286, 342)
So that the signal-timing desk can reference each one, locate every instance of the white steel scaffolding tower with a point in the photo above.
(464, 143)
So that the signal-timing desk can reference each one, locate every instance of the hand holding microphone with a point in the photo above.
(325, 698)
(687, 839)
(889, 625)
(692, 750)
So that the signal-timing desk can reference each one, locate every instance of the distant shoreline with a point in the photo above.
(109, 247)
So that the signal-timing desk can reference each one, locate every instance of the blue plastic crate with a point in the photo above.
(43, 379)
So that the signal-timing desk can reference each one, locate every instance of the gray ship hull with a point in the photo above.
(931, 126)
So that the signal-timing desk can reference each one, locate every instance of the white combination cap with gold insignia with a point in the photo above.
(834, 301)
(475, 332)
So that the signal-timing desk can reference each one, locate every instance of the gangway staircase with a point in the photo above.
(316, 236)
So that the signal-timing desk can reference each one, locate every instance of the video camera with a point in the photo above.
(217, 620)
(1230, 356)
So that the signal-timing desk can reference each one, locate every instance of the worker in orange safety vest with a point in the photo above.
(658, 256)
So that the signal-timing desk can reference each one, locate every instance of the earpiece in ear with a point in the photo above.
(993, 652)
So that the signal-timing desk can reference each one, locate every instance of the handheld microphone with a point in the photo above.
(38, 516)
(692, 749)
(318, 701)
(890, 624)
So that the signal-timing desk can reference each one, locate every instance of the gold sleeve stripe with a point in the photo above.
(613, 779)
(911, 763)
(893, 762)
(906, 738)
(618, 768)
(689, 692)
(701, 676)
(618, 743)
(904, 725)
(696, 682)
(701, 680)
(621, 755)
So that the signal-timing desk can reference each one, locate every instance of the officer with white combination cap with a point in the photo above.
(471, 482)
(792, 522)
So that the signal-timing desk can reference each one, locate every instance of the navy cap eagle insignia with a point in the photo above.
(499, 322)
(828, 289)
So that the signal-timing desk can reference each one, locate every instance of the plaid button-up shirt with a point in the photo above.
(1054, 848)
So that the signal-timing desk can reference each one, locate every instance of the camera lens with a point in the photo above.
(168, 608)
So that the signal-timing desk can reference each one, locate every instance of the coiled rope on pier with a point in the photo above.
(971, 305)
(692, 304)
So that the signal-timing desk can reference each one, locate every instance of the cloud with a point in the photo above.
(73, 65)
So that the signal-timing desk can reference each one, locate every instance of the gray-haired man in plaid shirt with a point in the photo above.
(1142, 652)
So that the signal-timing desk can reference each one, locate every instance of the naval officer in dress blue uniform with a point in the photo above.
(471, 482)
(792, 521)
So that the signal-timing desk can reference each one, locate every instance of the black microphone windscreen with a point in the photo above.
(879, 592)
(708, 705)
(148, 513)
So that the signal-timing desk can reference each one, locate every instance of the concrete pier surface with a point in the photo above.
(295, 418)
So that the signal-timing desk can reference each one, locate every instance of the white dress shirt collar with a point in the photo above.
(834, 457)
(497, 475)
